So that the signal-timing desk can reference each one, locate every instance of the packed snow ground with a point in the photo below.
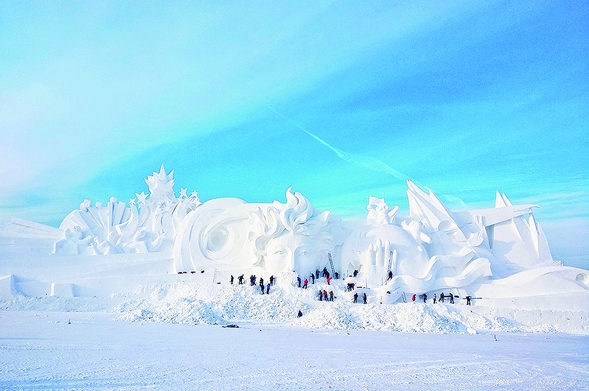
(79, 351)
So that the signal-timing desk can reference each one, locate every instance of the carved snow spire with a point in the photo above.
(161, 185)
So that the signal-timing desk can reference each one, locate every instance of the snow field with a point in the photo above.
(81, 351)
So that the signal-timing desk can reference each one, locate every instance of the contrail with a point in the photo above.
(359, 160)
(367, 162)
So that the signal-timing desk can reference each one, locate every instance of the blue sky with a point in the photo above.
(462, 97)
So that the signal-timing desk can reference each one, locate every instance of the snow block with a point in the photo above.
(62, 289)
(7, 287)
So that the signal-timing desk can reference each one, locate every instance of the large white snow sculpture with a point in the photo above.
(125, 228)
(494, 252)
(275, 237)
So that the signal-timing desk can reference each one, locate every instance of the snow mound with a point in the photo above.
(190, 302)
(223, 304)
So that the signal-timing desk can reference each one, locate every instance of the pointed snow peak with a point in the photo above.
(499, 203)
(506, 200)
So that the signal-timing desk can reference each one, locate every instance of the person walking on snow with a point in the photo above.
(232, 279)
(413, 297)
(299, 281)
(330, 295)
(355, 297)
(312, 279)
(324, 295)
(305, 283)
(268, 289)
(328, 280)
(365, 298)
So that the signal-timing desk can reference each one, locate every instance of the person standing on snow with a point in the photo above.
(299, 281)
(268, 289)
(305, 283)
(355, 297)
(365, 298)
(232, 279)
(424, 297)
(312, 279)
(413, 297)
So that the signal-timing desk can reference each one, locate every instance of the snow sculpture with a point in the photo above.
(495, 252)
(121, 228)
(291, 237)
(275, 237)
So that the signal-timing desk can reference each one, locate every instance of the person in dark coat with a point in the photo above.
(355, 297)
(300, 314)
(240, 279)
(424, 297)
(320, 295)
(312, 278)
(390, 275)
(262, 288)
(451, 298)
(355, 273)
(232, 279)
(317, 273)
(365, 298)
(299, 281)
(330, 295)
(468, 300)
(442, 297)
(272, 280)
(435, 298)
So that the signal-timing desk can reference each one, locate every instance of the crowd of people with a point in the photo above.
(325, 295)
(322, 294)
